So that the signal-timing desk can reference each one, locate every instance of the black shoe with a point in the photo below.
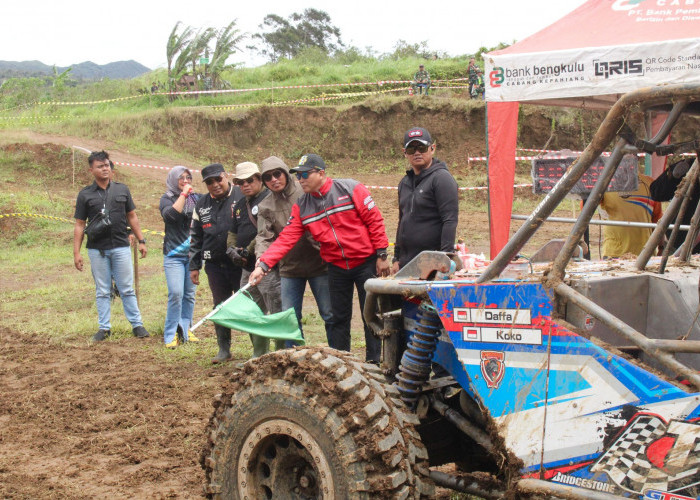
(140, 332)
(101, 335)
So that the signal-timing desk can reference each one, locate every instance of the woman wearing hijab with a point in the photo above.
(176, 207)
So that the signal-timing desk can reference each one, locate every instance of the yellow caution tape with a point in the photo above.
(323, 98)
(63, 103)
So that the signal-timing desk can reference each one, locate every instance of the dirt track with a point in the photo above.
(100, 421)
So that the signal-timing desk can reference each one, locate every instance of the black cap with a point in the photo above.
(309, 162)
(417, 134)
(213, 170)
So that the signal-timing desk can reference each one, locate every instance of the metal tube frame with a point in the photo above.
(618, 326)
(658, 234)
(614, 122)
(458, 483)
(688, 189)
(589, 208)
(556, 490)
(608, 130)
(595, 222)
(687, 248)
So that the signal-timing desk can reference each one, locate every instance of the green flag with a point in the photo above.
(243, 314)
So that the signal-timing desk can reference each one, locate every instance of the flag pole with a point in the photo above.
(216, 309)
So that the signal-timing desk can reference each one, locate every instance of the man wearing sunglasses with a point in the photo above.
(341, 215)
(428, 201)
(211, 220)
(303, 262)
(241, 247)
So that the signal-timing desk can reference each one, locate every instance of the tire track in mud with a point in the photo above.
(108, 420)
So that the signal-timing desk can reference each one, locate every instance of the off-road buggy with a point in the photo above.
(566, 379)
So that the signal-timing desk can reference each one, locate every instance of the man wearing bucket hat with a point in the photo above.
(428, 201)
(241, 247)
(341, 215)
(211, 221)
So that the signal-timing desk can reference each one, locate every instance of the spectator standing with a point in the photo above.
(303, 262)
(428, 201)
(421, 80)
(211, 220)
(637, 206)
(241, 247)
(176, 208)
(107, 207)
(473, 73)
(341, 215)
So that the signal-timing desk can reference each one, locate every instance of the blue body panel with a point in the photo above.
(565, 405)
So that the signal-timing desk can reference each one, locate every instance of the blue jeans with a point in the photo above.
(115, 263)
(180, 297)
(293, 296)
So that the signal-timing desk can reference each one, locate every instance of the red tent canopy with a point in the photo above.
(588, 58)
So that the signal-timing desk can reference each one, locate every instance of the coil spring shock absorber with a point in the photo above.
(415, 366)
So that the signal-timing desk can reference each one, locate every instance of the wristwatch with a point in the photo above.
(381, 254)
(142, 242)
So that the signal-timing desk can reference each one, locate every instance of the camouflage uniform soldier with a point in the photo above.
(473, 77)
(421, 80)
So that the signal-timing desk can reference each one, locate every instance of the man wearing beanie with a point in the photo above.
(211, 221)
(341, 215)
(303, 262)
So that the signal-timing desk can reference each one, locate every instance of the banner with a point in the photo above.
(591, 71)
(502, 119)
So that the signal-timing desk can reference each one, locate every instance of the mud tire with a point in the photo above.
(313, 423)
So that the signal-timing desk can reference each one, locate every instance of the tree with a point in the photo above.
(227, 40)
(286, 38)
(199, 46)
(176, 44)
(404, 50)
(59, 80)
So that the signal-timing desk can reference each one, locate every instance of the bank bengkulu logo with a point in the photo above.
(625, 4)
(496, 76)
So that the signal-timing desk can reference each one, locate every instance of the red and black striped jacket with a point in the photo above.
(342, 217)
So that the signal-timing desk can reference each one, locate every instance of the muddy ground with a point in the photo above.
(107, 421)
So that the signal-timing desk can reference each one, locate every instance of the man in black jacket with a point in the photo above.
(241, 247)
(211, 221)
(428, 201)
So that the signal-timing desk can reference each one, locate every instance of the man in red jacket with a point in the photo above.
(341, 215)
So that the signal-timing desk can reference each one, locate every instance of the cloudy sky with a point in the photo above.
(72, 31)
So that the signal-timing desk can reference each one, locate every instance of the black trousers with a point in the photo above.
(224, 280)
(340, 284)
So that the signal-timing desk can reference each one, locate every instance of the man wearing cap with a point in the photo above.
(241, 247)
(341, 215)
(428, 201)
(102, 211)
(421, 80)
(211, 220)
(303, 262)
